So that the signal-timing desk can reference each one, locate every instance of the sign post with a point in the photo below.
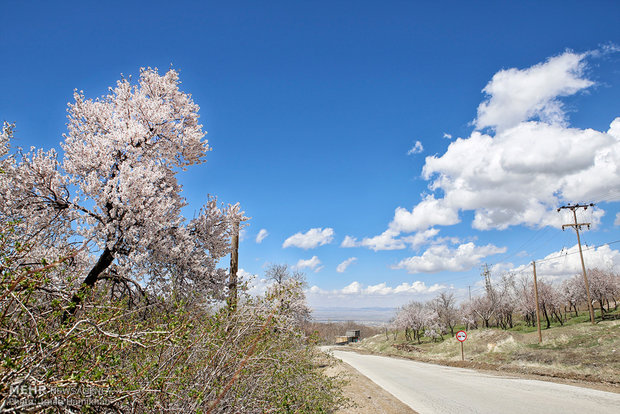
(461, 336)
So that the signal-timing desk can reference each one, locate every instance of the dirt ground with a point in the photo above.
(366, 396)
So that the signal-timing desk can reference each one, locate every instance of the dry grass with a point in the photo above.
(582, 351)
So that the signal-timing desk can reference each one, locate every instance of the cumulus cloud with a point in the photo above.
(421, 237)
(439, 258)
(416, 149)
(313, 264)
(392, 240)
(381, 289)
(343, 266)
(519, 176)
(311, 239)
(532, 162)
(516, 95)
(261, 235)
(567, 263)
(384, 241)
(256, 286)
(429, 212)
(447, 136)
(349, 242)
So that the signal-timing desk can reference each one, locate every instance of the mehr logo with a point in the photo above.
(26, 389)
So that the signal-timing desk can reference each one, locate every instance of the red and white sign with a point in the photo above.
(461, 336)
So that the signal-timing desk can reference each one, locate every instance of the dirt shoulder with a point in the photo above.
(366, 396)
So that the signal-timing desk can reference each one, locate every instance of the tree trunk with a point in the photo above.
(546, 316)
(105, 260)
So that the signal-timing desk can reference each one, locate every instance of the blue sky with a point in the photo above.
(314, 111)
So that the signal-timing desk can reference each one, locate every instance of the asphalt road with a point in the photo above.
(429, 388)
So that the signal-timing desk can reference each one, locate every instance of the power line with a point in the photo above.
(561, 255)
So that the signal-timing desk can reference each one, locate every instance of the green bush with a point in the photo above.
(121, 354)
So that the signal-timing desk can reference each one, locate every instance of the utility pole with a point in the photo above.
(487, 283)
(577, 227)
(234, 266)
(537, 305)
(469, 289)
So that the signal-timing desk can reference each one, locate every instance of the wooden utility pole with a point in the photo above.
(234, 266)
(537, 305)
(577, 227)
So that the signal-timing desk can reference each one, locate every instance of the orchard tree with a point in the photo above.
(116, 186)
(573, 292)
(603, 287)
(414, 317)
(445, 307)
(467, 315)
(505, 301)
(550, 302)
(484, 308)
(287, 293)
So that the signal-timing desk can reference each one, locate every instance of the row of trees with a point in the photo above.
(503, 300)
(110, 300)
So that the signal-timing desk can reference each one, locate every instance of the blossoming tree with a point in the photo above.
(116, 186)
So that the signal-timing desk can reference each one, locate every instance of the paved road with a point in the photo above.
(429, 388)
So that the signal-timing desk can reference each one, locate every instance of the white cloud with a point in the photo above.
(532, 164)
(349, 242)
(440, 258)
(343, 266)
(391, 240)
(526, 163)
(567, 263)
(256, 285)
(385, 241)
(429, 212)
(447, 136)
(312, 264)
(617, 220)
(516, 95)
(421, 238)
(353, 288)
(382, 289)
(519, 176)
(358, 295)
(416, 149)
(261, 235)
(311, 239)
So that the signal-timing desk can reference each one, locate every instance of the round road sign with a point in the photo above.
(461, 336)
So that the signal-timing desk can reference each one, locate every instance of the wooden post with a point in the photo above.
(537, 305)
(234, 266)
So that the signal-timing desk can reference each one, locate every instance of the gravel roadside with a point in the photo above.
(366, 396)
